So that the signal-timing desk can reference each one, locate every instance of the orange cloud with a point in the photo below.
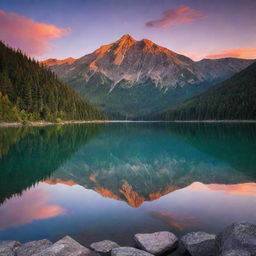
(26, 34)
(33, 205)
(172, 17)
(245, 53)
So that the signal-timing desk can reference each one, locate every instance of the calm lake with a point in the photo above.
(110, 181)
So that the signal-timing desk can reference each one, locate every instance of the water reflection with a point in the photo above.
(138, 163)
(179, 222)
(31, 154)
(111, 181)
(33, 206)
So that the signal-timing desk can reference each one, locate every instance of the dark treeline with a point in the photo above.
(232, 99)
(29, 92)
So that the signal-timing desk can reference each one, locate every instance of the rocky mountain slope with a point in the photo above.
(134, 78)
(53, 62)
(231, 99)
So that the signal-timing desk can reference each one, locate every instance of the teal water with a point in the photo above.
(110, 181)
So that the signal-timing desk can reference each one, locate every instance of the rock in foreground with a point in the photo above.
(7, 248)
(104, 247)
(236, 253)
(66, 247)
(129, 251)
(238, 236)
(200, 244)
(32, 248)
(238, 239)
(156, 243)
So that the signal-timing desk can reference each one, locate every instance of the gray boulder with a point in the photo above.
(236, 253)
(129, 251)
(157, 243)
(66, 247)
(104, 247)
(200, 244)
(7, 248)
(33, 247)
(238, 236)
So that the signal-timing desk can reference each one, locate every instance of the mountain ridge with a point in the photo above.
(231, 99)
(53, 62)
(125, 43)
(108, 60)
(130, 78)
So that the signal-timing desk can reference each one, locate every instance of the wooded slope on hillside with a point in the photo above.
(29, 91)
(232, 99)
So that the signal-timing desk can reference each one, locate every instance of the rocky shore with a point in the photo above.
(238, 239)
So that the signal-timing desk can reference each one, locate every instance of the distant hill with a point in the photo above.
(130, 78)
(232, 99)
(30, 92)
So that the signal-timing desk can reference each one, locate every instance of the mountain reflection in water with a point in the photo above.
(102, 180)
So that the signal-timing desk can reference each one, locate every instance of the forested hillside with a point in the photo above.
(232, 99)
(29, 92)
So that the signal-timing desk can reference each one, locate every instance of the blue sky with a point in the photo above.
(224, 27)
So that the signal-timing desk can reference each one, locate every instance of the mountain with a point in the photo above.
(53, 62)
(231, 99)
(130, 78)
(30, 92)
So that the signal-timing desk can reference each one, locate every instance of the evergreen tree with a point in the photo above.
(233, 99)
(30, 91)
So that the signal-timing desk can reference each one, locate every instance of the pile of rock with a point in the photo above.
(238, 239)
(64, 247)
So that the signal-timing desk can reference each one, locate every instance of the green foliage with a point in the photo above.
(8, 111)
(232, 99)
(58, 120)
(30, 92)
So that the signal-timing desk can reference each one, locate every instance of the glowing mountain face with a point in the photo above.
(134, 78)
(139, 61)
(53, 62)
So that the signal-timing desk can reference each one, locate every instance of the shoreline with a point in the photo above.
(236, 239)
(18, 124)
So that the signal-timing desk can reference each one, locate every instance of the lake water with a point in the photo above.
(110, 181)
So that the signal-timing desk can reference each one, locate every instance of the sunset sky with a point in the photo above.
(73, 28)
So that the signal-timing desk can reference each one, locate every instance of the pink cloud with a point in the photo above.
(245, 53)
(192, 55)
(26, 34)
(172, 17)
